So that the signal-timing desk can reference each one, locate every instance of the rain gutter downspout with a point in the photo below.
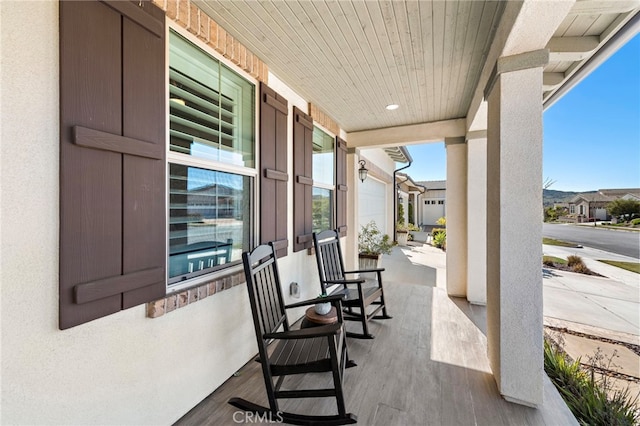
(395, 191)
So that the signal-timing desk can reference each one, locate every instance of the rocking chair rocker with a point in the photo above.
(331, 270)
(310, 350)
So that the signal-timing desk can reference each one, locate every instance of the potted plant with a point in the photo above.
(322, 308)
(402, 232)
(372, 244)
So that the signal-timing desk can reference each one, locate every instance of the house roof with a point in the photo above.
(433, 184)
(605, 195)
(631, 197)
(403, 178)
(620, 192)
(432, 58)
(399, 154)
(591, 197)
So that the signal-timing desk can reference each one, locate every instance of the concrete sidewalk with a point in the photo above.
(610, 303)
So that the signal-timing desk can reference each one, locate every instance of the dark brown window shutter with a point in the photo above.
(273, 169)
(341, 186)
(112, 158)
(302, 186)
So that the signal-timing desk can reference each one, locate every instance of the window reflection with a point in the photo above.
(209, 219)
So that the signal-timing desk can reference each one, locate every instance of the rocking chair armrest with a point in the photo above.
(306, 333)
(353, 281)
(365, 270)
(330, 298)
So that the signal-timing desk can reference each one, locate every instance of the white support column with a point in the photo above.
(514, 227)
(456, 203)
(477, 220)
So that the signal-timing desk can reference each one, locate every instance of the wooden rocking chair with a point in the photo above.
(310, 350)
(331, 270)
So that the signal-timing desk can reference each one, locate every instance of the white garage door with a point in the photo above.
(372, 203)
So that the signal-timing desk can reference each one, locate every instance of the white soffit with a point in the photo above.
(352, 58)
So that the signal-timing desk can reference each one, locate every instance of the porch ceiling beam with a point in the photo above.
(588, 7)
(571, 48)
(409, 134)
(525, 26)
(552, 79)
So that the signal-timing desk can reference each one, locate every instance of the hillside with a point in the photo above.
(551, 196)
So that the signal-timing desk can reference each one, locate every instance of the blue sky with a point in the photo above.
(591, 135)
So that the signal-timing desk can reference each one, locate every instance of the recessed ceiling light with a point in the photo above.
(391, 107)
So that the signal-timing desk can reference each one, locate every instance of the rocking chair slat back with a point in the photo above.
(330, 265)
(361, 303)
(264, 292)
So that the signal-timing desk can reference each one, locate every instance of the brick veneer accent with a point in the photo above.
(198, 23)
(323, 119)
(179, 300)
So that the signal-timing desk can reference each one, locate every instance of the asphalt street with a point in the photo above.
(626, 243)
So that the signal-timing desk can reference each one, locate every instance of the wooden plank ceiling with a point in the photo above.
(352, 57)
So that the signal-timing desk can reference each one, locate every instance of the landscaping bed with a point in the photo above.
(572, 264)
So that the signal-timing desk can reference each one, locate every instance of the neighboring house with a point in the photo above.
(434, 201)
(408, 194)
(589, 206)
(115, 112)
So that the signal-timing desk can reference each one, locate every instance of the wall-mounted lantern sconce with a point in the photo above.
(362, 171)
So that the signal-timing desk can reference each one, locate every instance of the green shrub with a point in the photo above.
(577, 265)
(574, 260)
(406, 227)
(592, 401)
(581, 268)
(372, 241)
(635, 222)
(563, 372)
(440, 239)
(436, 231)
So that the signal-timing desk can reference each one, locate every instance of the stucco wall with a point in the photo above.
(121, 369)
(430, 213)
(381, 160)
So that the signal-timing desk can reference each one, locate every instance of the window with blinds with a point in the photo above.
(323, 180)
(211, 163)
(211, 108)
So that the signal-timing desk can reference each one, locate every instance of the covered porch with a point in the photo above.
(428, 365)
(476, 75)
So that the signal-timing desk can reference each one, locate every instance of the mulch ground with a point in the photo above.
(562, 267)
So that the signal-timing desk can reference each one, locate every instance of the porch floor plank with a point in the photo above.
(426, 366)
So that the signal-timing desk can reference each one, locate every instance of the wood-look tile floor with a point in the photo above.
(426, 366)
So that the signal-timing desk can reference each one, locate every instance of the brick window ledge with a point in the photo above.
(179, 300)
